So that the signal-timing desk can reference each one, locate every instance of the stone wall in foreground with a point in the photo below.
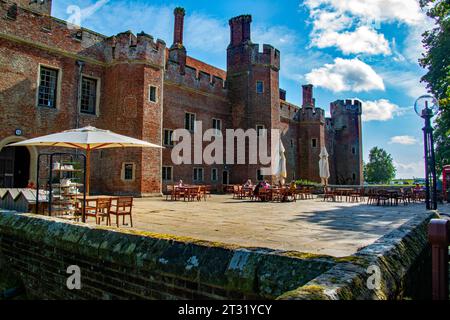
(402, 258)
(134, 265)
(140, 265)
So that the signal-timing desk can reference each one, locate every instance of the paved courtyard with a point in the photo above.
(312, 226)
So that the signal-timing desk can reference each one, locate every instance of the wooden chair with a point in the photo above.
(383, 198)
(328, 193)
(356, 195)
(236, 192)
(123, 207)
(372, 197)
(101, 211)
(170, 192)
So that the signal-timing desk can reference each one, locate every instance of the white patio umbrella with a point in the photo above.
(324, 167)
(88, 139)
(281, 171)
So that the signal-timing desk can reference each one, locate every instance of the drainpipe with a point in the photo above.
(80, 65)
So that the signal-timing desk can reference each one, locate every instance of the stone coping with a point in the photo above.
(393, 256)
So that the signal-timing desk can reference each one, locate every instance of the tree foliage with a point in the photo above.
(380, 169)
(437, 61)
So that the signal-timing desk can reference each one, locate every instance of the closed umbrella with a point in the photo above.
(88, 139)
(281, 171)
(324, 167)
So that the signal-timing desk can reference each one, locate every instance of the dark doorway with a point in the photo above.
(225, 177)
(14, 167)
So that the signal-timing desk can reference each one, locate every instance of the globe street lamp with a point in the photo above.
(427, 107)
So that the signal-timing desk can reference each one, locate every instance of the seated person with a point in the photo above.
(248, 184)
(293, 186)
(266, 185)
(260, 185)
(180, 183)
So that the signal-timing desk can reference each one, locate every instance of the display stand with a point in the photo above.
(63, 175)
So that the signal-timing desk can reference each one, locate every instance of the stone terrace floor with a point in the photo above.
(310, 226)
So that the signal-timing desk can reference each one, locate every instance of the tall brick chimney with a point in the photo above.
(240, 29)
(177, 52)
(308, 100)
(179, 27)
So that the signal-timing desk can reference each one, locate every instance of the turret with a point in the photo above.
(347, 135)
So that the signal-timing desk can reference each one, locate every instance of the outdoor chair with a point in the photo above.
(170, 192)
(101, 211)
(236, 192)
(328, 193)
(123, 207)
(356, 195)
(372, 197)
(383, 198)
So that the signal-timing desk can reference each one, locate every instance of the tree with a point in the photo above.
(437, 61)
(380, 168)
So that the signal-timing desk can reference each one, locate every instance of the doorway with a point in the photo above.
(225, 177)
(14, 167)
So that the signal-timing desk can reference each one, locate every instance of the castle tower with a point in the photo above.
(311, 136)
(136, 67)
(347, 136)
(253, 83)
(177, 52)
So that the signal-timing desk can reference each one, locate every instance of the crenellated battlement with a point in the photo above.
(126, 46)
(195, 79)
(311, 115)
(353, 106)
(268, 57)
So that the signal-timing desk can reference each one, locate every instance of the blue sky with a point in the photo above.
(365, 49)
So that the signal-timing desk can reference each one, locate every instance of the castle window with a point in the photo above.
(214, 175)
(314, 143)
(259, 176)
(88, 102)
(128, 171)
(259, 87)
(354, 176)
(259, 130)
(189, 121)
(48, 82)
(353, 150)
(152, 94)
(168, 141)
(167, 173)
(217, 125)
(198, 175)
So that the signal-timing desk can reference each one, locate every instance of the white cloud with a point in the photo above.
(363, 40)
(380, 110)
(410, 170)
(405, 11)
(407, 81)
(206, 33)
(404, 140)
(351, 25)
(280, 37)
(346, 75)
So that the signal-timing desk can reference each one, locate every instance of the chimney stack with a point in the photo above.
(177, 52)
(179, 27)
(240, 29)
(308, 100)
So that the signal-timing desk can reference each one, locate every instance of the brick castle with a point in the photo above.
(56, 78)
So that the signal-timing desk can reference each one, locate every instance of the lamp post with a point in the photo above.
(427, 107)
